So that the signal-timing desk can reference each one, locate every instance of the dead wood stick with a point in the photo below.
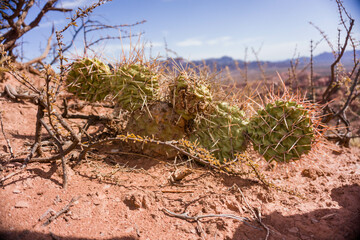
(177, 191)
(26, 160)
(185, 216)
(200, 230)
(58, 144)
(66, 126)
(167, 143)
(62, 211)
(51, 158)
(6, 139)
(39, 115)
(257, 215)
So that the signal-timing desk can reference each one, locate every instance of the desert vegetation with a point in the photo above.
(195, 147)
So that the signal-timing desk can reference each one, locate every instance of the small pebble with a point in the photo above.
(293, 230)
(16, 191)
(22, 204)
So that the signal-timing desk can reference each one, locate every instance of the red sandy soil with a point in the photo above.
(122, 196)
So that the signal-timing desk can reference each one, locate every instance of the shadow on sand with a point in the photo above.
(322, 224)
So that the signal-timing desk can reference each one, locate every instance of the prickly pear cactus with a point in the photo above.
(89, 79)
(135, 86)
(189, 97)
(221, 131)
(159, 121)
(282, 131)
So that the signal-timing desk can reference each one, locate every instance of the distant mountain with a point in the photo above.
(322, 60)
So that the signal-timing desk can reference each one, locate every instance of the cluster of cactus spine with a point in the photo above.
(282, 131)
(221, 131)
(189, 96)
(135, 86)
(89, 79)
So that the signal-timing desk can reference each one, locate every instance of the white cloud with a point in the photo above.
(193, 42)
(219, 40)
(189, 43)
(77, 3)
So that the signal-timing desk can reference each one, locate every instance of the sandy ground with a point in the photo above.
(122, 196)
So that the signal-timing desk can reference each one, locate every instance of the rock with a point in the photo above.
(100, 195)
(129, 230)
(313, 220)
(293, 230)
(16, 191)
(135, 200)
(22, 204)
(309, 173)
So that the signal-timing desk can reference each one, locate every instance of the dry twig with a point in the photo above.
(62, 211)
(256, 214)
(6, 139)
(185, 216)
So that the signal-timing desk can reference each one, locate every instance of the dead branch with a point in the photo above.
(333, 84)
(185, 216)
(6, 139)
(62, 211)
(39, 115)
(16, 25)
(172, 144)
(26, 160)
(67, 47)
(60, 147)
(339, 79)
(256, 214)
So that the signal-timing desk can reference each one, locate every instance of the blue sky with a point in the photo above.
(198, 29)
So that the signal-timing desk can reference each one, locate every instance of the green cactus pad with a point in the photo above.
(282, 131)
(135, 86)
(221, 131)
(189, 97)
(89, 79)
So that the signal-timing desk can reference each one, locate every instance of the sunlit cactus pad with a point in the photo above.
(282, 131)
(189, 96)
(221, 131)
(135, 86)
(89, 79)
(158, 121)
